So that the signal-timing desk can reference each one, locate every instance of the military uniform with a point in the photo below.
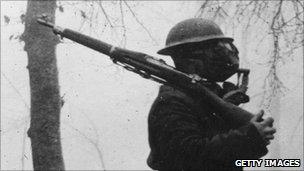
(185, 134)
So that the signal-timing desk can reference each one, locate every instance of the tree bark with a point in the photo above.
(40, 45)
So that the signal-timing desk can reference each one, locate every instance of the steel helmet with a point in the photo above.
(192, 30)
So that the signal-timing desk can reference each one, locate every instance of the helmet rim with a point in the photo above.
(167, 50)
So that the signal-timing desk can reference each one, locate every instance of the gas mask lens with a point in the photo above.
(225, 48)
(227, 53)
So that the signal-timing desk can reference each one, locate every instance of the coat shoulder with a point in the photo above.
(168, 93)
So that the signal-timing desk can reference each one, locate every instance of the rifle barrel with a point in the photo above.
(85, 40)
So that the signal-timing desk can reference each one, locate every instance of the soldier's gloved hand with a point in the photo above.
(232, 94)
(265, 127)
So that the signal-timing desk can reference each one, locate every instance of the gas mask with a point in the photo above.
(219, 60)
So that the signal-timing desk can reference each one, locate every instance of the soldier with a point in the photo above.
(184, 132)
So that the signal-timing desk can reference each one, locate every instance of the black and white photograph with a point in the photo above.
(205, 85)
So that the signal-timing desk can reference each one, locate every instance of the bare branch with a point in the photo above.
(94, 143)
(139, 22)
(239, 13)
(16, 90)
(299, 2)
(105, 13)
(123, 24)
(220, 10)
(272, 79)
(24, 145)
(291, 19)
(201, 9)
(277, 14)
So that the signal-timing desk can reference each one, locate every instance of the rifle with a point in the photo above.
(156, 69)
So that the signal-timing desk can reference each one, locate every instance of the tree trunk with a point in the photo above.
(40, 45)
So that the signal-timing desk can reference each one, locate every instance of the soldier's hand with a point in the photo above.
(265, 127)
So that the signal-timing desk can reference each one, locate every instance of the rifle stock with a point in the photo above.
(157, 70)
